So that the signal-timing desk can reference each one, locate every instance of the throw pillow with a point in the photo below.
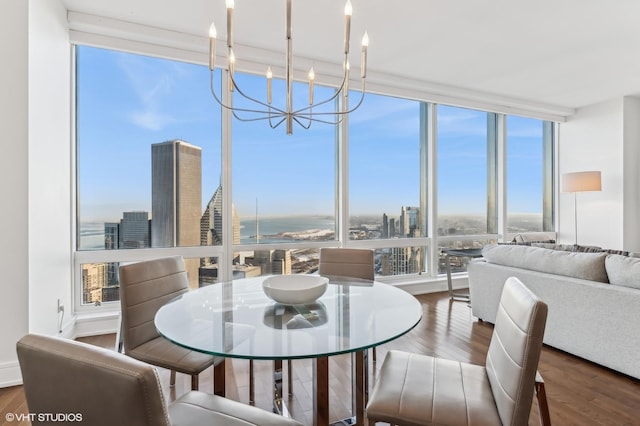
(623, 270)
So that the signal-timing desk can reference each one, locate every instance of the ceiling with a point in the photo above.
(564, 53)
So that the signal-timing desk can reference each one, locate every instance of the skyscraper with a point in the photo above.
(406, 260)
(94, 279)
(211, 233)
(410, 222)
(111, 235)
(385, 226)
(176, 198)
(134, 230)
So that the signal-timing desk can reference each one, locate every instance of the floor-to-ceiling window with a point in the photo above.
(528, 142)
(148, 161)
(160, 171)
(464, 142)
(384, 187)
(284, 185)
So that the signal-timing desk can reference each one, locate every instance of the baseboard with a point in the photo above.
(96, 324)
(10, 374)
(433, 285)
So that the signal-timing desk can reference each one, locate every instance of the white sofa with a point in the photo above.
(593, 299)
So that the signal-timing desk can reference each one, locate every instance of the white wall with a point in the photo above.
(35, 172)
(13, 184)
(631, 222)
(49, 165)
(602, 137)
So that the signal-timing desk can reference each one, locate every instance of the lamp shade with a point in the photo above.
(581, 181)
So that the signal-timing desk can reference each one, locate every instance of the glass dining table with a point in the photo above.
(236, 319)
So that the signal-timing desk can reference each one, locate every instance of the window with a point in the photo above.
(462, 171)
(150, 178)
(384, 169)
(527, 144)
(284, 187)
(148, 158)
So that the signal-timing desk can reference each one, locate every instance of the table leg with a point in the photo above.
(359, 389)
(360, 385)
(321, 391)
(279, 406)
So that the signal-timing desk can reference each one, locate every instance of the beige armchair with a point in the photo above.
(144, 288)
(416, 389)
(100, 387)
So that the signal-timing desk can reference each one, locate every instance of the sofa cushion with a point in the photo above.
(587, 266)
(623, 270)
(554, 246)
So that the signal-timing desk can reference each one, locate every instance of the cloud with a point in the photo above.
(153, 84)
(151, 120)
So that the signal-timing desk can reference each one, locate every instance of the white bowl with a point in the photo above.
(295, 289)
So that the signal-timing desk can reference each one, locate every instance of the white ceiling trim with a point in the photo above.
(111, 33)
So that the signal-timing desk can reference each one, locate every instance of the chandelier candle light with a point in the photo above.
(275, 116)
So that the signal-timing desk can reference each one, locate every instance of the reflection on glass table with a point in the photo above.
(236, 319)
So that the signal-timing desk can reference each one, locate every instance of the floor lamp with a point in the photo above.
(580, 182)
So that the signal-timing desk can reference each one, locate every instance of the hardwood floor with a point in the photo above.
(579, 392)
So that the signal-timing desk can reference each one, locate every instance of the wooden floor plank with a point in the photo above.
(579, 392)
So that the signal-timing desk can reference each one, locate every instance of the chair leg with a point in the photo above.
(290, 377)
(543, 406)
(373, 352)
(172, 379)
(195, 382)
(252, 385)
(119, 342)
(219, 379)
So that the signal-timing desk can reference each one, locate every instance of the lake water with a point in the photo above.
(271, 230)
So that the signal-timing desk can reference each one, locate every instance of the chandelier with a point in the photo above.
(276, 115)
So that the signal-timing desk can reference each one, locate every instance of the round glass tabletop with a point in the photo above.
(236, 319)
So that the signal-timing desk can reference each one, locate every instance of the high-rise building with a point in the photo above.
(111, 235)
(405, 260)
(211, 233)
(211, 222)
(385, 226)
(176, 198)
(94, 279)
(134, 230)
(410, 222)
(271, 261)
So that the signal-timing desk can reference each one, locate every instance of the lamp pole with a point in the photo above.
(575, 216)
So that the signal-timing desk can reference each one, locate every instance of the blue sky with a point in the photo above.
(128, 102)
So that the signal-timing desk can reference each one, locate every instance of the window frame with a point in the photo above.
(428, 189)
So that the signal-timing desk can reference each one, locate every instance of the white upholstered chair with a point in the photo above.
(101, 387)
(421, 390)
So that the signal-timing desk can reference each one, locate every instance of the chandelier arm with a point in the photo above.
(273, 126)
(337, 113)
(318, 120)
(296, 119)
(335, 95)
(278, 111)
(264, 104)
(254, 118)
(362, 93)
